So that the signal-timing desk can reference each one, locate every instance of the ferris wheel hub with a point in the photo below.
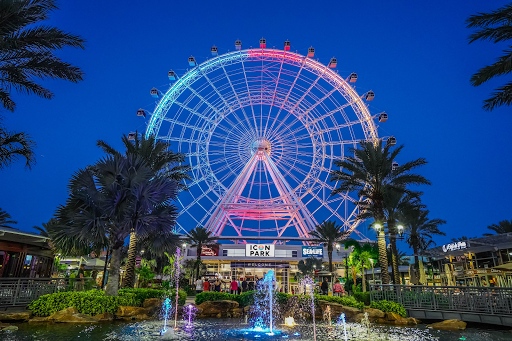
(261, 145)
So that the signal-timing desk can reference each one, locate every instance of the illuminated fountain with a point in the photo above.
(166, 307)
(264, 300)
(189, 313)
(309, 282)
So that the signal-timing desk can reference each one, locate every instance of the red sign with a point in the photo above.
(210, 250)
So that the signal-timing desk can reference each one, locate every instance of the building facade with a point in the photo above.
(252, 261)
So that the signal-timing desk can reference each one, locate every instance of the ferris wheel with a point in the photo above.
(261, 129)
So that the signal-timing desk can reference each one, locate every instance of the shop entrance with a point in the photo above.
(252, 271)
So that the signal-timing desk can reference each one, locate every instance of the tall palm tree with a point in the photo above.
(495, 26)
(4, 219)
(461, 239)
(197, 238)
(27, 51)
(361, 258)
(15, 146)
(329, 234)
(368, 172)
(503, 226)
(420, 231)
(109, 200)
(162, 161)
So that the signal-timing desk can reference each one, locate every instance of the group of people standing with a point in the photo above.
(236, 287)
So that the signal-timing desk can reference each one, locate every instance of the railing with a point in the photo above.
(479, 300)
(22, 291)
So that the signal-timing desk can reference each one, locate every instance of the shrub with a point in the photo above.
(389, 307)
(362, 297)
(348, 301)
(142, 294)
(190, 290)
(90, 302)
(244, 299)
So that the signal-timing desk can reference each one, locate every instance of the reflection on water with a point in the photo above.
(233, 329)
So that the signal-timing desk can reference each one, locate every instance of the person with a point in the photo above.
(325, 287)
(234, 287)
(244, 284)
(251, 286)
(199, 286)
(337, 288)
(79, 285)
(206, 285)
(239, 285)
(217, 285)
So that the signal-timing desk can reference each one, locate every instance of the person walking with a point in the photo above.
(338, 289)
(251, 286)
(234, 287)
(199, 286)
(206, 286)
(217, 285)
(79, 285)
(325, 287)
(239, 284)
(244, 284)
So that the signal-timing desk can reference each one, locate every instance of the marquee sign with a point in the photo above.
(312, 251)
(259, 250)
(454, 246)
(209, 250)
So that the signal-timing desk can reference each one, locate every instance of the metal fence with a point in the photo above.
(22, 291)
(480, 300)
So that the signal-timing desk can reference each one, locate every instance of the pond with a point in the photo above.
(235, 329)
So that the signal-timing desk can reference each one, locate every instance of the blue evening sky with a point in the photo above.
(413, 54)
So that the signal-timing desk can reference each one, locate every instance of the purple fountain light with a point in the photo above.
(189, 313)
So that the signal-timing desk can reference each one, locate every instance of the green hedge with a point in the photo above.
(348, 301)
(363, 297)
(389, 307)
(94, 302)
(245, 299)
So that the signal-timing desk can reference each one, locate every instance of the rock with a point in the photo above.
(12, 328)
(393, 316)
(104, 317)
(154, 305)
(358, 318)
(23, 316)
(38, 319)
(449, 325)
(337, 309)
(124, 311)
(374, 313)
(218, 308)
(71, 315)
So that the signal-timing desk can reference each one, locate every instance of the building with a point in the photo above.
(484, 261)
(24, 254)
(235, 261)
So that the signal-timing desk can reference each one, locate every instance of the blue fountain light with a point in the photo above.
(166, 307)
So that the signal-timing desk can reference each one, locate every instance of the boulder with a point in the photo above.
(132, 313)
(374, 313)
(11, 328)
(38, 319)
(71, 315)
(104, 317)
(221, 308)
(337, 309)
(153, 305)
(4, 325)
(20, 316)
(449, 325)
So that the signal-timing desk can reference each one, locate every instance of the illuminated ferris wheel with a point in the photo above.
(261, 129)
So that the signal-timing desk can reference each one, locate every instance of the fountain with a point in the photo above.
(343, 322)
(305, 282)
(189, 313)
(166, 307)
(177, 278)
(264, 299)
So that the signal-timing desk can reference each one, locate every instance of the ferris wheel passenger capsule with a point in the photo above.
(287, 45)
(391, 141)
(172, 75)
(333, 63)
(238, 45)
(263, 43)
(131, 136)
(311, 52)
(353, 77)
(141, 113)
(192, 61)
(395, 165)
(214, 50)
(370, 95)
(154, 92)
(383, 117)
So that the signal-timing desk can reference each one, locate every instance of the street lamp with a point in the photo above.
(378, 228)
(400, 230)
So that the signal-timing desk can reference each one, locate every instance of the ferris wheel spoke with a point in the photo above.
(235, 93)
(250, 99)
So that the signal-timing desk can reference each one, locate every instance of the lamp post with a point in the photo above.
(373, 271)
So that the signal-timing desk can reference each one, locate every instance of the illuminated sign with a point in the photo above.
(209, 250)
(312, 251)
(259, 250)
(454, 246)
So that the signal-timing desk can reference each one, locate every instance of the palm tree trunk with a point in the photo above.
(129, 278)
(415, 249)
(105, 268)
(394, 253)
(383, 258)
(198, 260)
(364, 276)
(113, 272)
(329, 253)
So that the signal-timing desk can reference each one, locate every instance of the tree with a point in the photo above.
(368, 172)
(502, 227)
(4, 219)
(109, 200)
(307, 267)
(27, 51)
(15, 146)
(328, 233)
(164, 162)
(197, 238)
(360, 259)
(461, 239)
(420, 230)
(495, 26)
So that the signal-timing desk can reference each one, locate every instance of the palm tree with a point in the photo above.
(420, 230)
(307, 267)
(329, 234)
(4, 219)
(495, 26)
(162, 161)
(370, 170)
(27, 51)
(15, 146)
(197, 238)
(461, 239)
(109, 200)
(360, 258)
(503, 226)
